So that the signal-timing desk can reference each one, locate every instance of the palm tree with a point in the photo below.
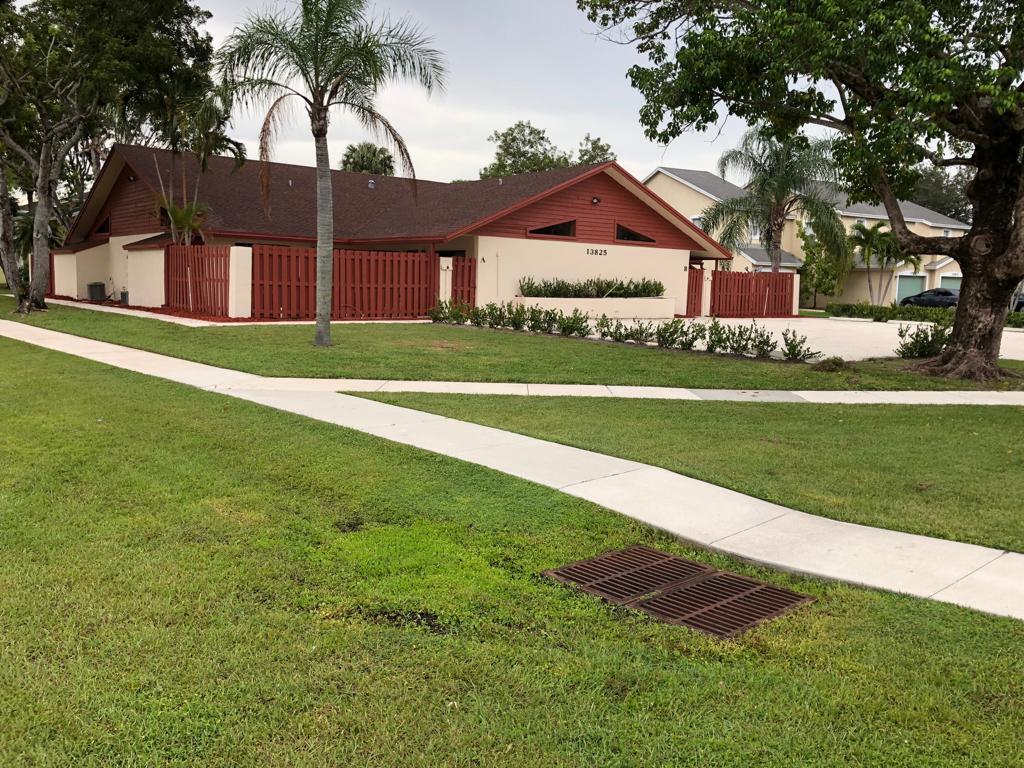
(366, 157)
(878, 247)
(327, 54)
(789, 177)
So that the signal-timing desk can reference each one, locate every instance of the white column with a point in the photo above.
(705, 294)
(796, 295)
(445, 283)
(240, 283)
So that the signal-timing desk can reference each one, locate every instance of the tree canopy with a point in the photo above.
(898, 83)
(785, 179)
(524, 148)
(65, 65)
(944, 191)
(367, 157)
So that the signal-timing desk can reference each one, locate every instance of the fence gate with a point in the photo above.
(368, 285)
(463, 278)
(695, 293)
(752, 294)
(196, 279)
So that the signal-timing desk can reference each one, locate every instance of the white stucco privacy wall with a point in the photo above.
(503, 262)
(141, 273)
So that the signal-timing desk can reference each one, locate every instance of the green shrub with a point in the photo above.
(495, 315)
(541, 320)
(1015, 320)
(440, 313)
(576, 324)
(667, 334)
(740, 339)
(795, 347)
(923, 340)
(717, 336)
(642, 333)
(459, 313)
(762, 341)
(516, 315)
(692, 334)
(619, 332)
(478, 317)
(603, 327)
(594, 288)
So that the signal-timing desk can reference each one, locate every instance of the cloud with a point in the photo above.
(504, 66)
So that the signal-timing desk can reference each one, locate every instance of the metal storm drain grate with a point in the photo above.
(680, 591)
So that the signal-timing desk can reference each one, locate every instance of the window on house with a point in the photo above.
(565, 229)
(861, 221)
(104, 227)
(631, 236)
(698, 221)
(946, 233)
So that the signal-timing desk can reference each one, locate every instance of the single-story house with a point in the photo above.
(570, 223)
(693, 191)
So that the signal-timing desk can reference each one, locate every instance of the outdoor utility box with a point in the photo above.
(97, 291)
(124, 297)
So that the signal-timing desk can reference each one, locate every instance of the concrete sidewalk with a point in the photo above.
(861, 397)
(982, 578)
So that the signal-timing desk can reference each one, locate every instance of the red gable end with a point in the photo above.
(594, 223)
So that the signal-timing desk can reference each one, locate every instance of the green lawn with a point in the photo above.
(190, 579)
(948, 471)
(413, 352)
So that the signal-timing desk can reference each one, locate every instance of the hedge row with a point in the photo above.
(746, 340)
(594, 288)
(896, 312)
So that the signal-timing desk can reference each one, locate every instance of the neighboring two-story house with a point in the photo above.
(691, 192)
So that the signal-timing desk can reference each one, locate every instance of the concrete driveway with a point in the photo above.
(860, 340)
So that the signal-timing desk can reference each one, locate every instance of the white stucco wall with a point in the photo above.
(240, 282)
(140, 272)
(503, 262)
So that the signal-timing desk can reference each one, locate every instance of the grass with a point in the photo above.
(955, 472)
(415, 352)
(190, 579)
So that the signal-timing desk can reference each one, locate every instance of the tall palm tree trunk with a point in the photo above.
(324, 235)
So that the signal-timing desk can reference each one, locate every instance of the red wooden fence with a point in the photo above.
(196, 279)
(464, 280)
(752, 294)
(368, 285)
(695, 293)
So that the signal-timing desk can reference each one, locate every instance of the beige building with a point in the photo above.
(691, 192)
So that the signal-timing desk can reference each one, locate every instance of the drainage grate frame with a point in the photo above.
(682, 592)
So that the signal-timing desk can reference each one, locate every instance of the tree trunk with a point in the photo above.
(8, 260)
(973, 350)
(324, 233)
(46, 186)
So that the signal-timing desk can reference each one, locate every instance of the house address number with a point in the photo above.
(597, 251)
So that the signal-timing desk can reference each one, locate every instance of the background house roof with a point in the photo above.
(759, 256)
(704, 181)
(720, 189)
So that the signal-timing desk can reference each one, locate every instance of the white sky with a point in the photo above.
(509, 60)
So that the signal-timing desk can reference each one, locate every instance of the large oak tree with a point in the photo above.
(63, 65)
(900, 84)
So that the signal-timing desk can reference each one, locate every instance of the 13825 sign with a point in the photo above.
(597, 251)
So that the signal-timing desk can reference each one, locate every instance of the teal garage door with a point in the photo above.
(908, 285)
(953, 283)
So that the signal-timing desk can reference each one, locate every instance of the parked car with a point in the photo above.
(936, 297)
(1019, 305)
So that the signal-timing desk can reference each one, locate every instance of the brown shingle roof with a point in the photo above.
(393, 210)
